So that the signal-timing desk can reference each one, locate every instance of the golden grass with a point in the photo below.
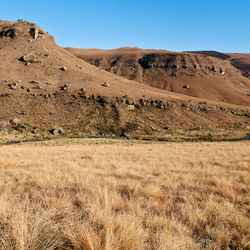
(124, 195)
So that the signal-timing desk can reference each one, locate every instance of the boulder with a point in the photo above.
(196, 66)
(131, 107)
(126, 135)
(34, 82)
(106, 84)
(29, 58)
(175, 66)
(64, 68)
(222, 71)
(186, 86)
(12, 86)
(57, 131)
(34, 32)
(15, 122)
(214, 69)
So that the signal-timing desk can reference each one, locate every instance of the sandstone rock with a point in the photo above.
(12, 33)
(126, 135)
(12, 86)
(57, 131)
(175, 66)
(214, 69)
(152, 128)
(222, 71)
(34, 32)
(34, 82)
(35, 131)
(64, 68)
(66, 86)
(15, 121)
(131, 107)
(106, 84)
(30, 57)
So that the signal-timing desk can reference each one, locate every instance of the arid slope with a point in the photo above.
(191, 74)
(16, 41)
(53, 88)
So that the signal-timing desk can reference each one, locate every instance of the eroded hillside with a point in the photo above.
(190, 74)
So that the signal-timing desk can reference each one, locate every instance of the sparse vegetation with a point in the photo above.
(147, 60)
(121, 195)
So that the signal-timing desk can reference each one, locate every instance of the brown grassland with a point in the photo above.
(111, 194)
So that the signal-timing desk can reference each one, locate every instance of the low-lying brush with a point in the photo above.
(124, 195)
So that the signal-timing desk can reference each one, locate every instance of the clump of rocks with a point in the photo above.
(66, 86)
(12, 33)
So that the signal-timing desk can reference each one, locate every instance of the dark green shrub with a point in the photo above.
(147, 60)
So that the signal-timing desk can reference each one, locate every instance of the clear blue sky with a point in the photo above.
(179, 25)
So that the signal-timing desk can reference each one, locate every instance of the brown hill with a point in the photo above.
(41, 86)
(240, 61)
(17, 40)
(197, 75)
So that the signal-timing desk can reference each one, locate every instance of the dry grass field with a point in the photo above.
(107, 194)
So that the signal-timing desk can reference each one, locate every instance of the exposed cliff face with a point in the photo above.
(207, 76)
(241, 61)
